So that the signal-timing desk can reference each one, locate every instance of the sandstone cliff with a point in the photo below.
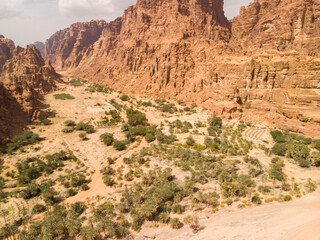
(24, 78)
(266, 58)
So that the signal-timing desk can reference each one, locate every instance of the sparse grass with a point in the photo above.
(64, 96)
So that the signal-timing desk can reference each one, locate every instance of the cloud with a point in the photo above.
(93, 8)
(10, 8)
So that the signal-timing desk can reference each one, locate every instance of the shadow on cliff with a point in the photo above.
(13, 118)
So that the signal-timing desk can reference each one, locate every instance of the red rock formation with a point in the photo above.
(24, 78)
(268, 57)
(66, 47)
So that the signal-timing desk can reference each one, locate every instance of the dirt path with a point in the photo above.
(296, 220)
(97, 186)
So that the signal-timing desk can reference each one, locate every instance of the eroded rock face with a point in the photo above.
(267, 58)
(66, 47)
(24, 78)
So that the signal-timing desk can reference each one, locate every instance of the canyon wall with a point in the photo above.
(261, 66)
(24, 79)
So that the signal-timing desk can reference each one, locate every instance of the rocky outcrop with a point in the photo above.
(279, 25)
(66, 47)
(261, 66)
(24, 78)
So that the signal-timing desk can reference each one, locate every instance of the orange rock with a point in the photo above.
(266, 58)
(24, 78)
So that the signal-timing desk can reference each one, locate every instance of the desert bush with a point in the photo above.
(264, 189)
(275, 171)
(38, 208)
(287, 198)
(190, 141)
(317, 144)
(136, 117)
(279, 149)
(256, 199)
(150, 137)
(304, 163)
(124, 97)
(109, 181)
(83, 136)
(175, 223)
(69, 123)
(298, 151)
(68, 130)
(278, 136)
(164, 217)
(24, 139)
(46, 122)
(107, 139)
(88, 128)
(70, 193)
(63, 96)
(316, 159)
(285, 186)
(215, 121)
(177, 208)
(118, 145)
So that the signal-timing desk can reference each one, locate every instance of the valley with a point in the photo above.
(209, 169)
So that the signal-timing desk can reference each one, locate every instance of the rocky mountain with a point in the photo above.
(40, 46)
(24, 78)
(261, 66)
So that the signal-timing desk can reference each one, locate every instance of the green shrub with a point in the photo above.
(150, 137)
(287, 198)
(190, 141)
(63, 96)
(69, 123)
(107, 138)
(38, 208)
(304, 163)
(71, 192)
(167, 108)
(46, 122)
(264, 189)
(215, 121)
(298, 151)
(316, 159)
(164, 217)
(84, 187)
(285, 186)
(88, 128)
(177, 208)
(275, 171)
(278, 136)
(83, 136)
(75, 82)
(279, 149)
(108, 180)
(166, 139)
(24, 139)
(317, 144)
(175, 223)
(136, 117)
(118, 145)
(124, 97)
(68, 130)
(256, 199)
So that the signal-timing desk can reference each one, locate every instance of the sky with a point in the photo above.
(28, 21)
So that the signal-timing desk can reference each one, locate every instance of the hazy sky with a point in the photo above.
(27, 21)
